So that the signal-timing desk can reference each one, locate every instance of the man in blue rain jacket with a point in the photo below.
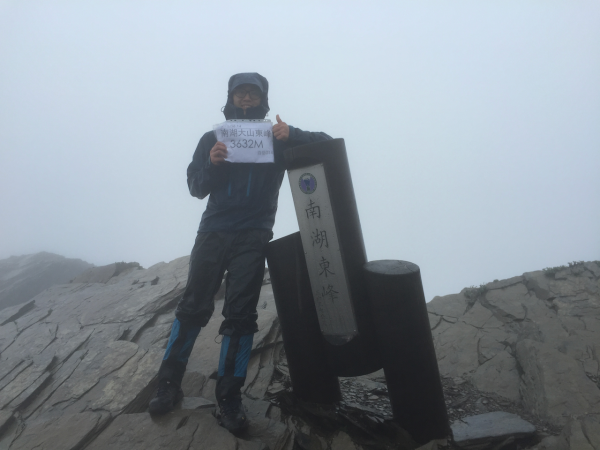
(234, 231)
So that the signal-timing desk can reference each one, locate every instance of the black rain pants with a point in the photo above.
(242, 254)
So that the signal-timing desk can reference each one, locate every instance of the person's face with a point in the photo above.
(246, 96)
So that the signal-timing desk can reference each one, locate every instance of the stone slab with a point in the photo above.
(22, 383)
(553, 385)
(12, 313)
(262, 428)
(176, 430)
(191, 403)
(490, 427)
(499, 375)
(8, 333)
(6, 418)
(11, 368)
(66, 432)
(501, 284)
(343, 442)
(97, 274)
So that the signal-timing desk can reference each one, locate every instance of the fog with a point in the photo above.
(472, 128)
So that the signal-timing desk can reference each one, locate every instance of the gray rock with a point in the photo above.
(343, 441)
(532, 339)
(491, 344)
(94, 348)
(23, 277)
(62, 373)
(456, 348)
(431, 445)
(577, 438)
(580, 433)
(208, 391)
(12, 313)
(538, 283)
(434, 320)
(499, 375)
(97, 274)
(11, 368)
(116, 379)
(477, 315)
(71, 431)
(191, 403)
(481, 430)
(192, 383)
(501, 284)
(8, 334)
(591, 426)
(263, 428)
(32, 341)
(103, 274)
(24, 385)
(6, 417)
(453, 305)
(176, 430)
(370, 385)
(554, 386)
(507, 303)
(11, 432)
(593, 267)
(305, 441)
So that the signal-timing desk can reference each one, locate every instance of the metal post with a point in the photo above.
(406, 346)
(313, 377)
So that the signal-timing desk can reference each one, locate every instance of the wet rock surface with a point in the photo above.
(78, 364)
(490, 430)
(531, 339)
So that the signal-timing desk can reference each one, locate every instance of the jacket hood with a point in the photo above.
(258, 112)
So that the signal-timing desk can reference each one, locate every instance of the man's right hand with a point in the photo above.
(218, 153)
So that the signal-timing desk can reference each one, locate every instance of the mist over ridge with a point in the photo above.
(471, 129)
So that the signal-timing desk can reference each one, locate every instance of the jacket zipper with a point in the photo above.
(249, 180)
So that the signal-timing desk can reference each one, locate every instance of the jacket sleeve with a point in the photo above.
(300, 137)
(201, 173)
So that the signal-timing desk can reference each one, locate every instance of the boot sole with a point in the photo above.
(162, 412)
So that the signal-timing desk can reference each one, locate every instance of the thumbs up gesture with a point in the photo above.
(281, 130)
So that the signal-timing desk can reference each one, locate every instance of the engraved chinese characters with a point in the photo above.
(247, 141)
(322, 249)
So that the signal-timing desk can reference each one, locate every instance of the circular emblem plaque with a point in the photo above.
(307, 183)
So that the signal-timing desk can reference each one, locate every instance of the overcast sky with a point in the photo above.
(472, 127)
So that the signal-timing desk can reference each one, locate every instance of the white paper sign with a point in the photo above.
(247, 141)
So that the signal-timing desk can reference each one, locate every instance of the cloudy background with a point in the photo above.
(472, 128)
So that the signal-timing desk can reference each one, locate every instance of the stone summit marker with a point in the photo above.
(336, 319)
(322, 250)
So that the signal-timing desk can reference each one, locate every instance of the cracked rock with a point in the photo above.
(88, 353)
(68, 432)
(487, 430)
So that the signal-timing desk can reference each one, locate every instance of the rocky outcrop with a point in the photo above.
(78, 364)
(491, 430)
(532, 339)
(80, 355)
(103, 274)
(581, 433)
(23, 277)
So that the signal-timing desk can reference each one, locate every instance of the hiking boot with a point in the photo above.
(167, 396)
(232, 415)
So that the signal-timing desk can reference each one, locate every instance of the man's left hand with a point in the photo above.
(281, 130)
